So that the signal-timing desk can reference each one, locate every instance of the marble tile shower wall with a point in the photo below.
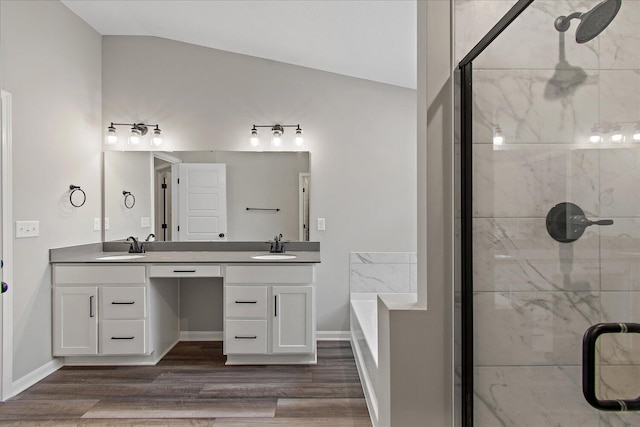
(383, 272)
(535, 297)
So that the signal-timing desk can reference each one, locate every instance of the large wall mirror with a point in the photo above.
(206, 195)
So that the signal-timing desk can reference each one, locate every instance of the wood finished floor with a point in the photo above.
(191, 386)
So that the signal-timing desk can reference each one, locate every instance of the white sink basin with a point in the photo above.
(273, 256)
(119, 257)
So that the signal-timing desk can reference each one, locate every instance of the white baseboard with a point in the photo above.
(333, 335)
(33, 377)
(201, 335)
(219, 335)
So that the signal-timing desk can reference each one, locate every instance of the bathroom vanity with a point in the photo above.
(115, 308)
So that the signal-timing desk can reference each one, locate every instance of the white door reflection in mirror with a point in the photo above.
(202, 202)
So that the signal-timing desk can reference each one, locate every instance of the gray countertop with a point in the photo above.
(90, 253)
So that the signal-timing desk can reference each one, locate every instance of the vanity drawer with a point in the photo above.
(98, 274)
(245, 337)
(185, 270)
(123, 337)
(246, 301)
(280, 274)
(123, 302)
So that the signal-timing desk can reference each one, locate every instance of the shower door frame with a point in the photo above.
(466, 204)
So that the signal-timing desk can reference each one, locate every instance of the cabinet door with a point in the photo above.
(75, 321)
(292, 325)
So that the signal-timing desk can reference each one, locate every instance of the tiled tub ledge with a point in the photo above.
(373, 275)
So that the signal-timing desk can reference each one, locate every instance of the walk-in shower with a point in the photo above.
(548, 216)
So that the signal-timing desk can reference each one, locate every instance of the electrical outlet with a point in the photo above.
(96, 224)
(106, 223)
(27, 229)
(321, 224)
(145, 222)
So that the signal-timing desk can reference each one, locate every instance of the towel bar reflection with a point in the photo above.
(264, 209)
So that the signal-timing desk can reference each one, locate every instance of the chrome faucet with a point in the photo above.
(277, 246)
(135, 247)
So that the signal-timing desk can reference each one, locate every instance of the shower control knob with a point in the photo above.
(566, 222)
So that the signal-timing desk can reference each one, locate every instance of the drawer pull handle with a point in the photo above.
(184, 271)
(240, 337)
(123, 303)
(246, 302)
(122, 338)
(91, 313)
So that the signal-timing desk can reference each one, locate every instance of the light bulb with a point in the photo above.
(596, 135)
(498, 139)
(156, 139)
(134, 138)
(299, 139)
(254, 137)
(277, 132)
(617, 136)
(112, 138)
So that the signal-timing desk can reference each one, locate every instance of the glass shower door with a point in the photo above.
(554, 219)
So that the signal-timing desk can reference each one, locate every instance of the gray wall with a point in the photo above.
(51, 64)
(361, 136)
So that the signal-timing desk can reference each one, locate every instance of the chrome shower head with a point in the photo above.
(593, 22)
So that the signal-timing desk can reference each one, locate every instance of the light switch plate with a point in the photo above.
(145, 222)
(106, 223)
(321, 224)
(27, 229)
(96, 224)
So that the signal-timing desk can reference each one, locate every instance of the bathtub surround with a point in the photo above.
(383, 289)
(383, 272)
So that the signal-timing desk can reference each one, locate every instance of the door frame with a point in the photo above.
(6, 351)
(301, 217)
(466, 211)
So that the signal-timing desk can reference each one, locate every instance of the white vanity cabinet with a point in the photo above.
(269, 314)
(75, 323)
(100, 310)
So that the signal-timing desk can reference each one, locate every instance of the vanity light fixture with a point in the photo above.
(277, 131)
(137, 131)
(615, 133)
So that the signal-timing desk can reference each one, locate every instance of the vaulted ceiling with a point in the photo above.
(368, 39)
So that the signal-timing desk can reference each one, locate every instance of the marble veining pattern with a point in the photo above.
(533, 396)
(383, 272)
(528, 183)
(532, 328)
(517, 254)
